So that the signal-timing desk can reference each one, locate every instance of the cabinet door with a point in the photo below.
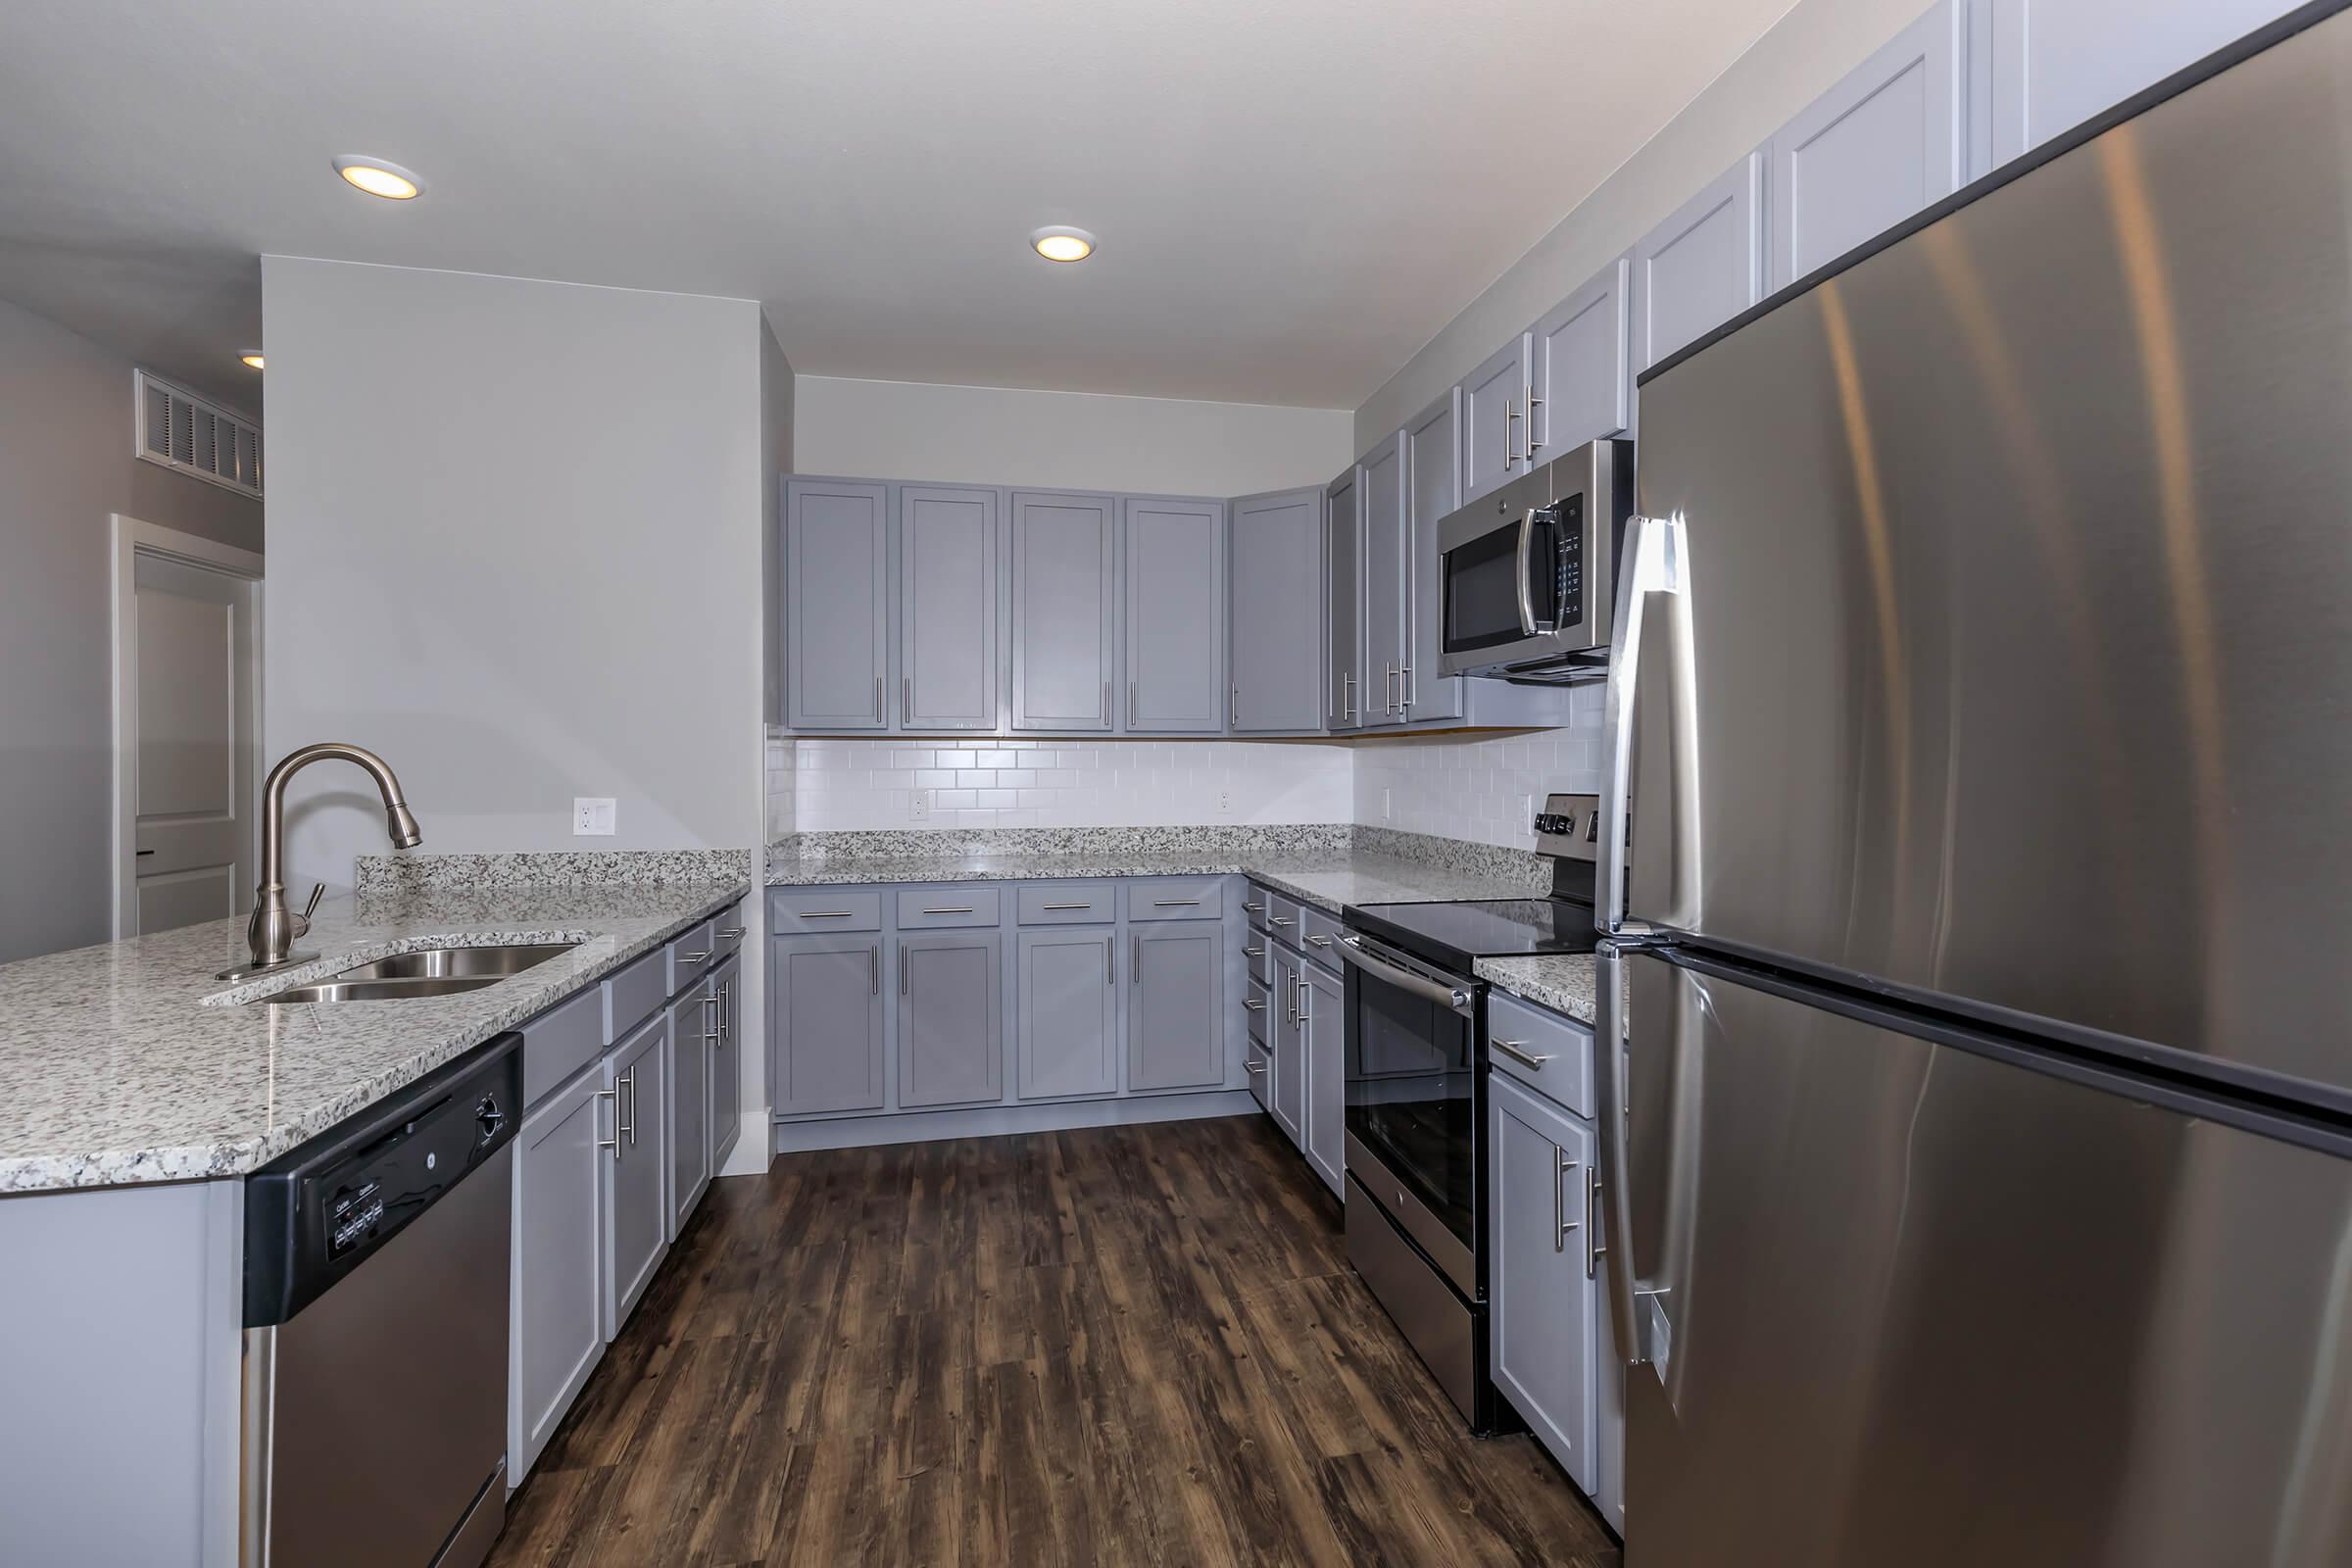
(1702, 266)
(693, 1035)
(1176, 1007)
(1495, 420)
(1323, 1026)
(726, 1064)
(2047, 66)
(1062, 564)
(635, 1180)
(1070, 1013)
(1342, 601)
(948, 608)
(557, 1290)
(1290, 1049)
(1384, 507)
(1544, 1295)
(836, 605)
(1878, 147)
(1175, 603)
(1277, 654)
(1581, 365)
(950, 1018)
(1432, 463)
(825, 1022)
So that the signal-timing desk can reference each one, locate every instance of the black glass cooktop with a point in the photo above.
(1454, 934)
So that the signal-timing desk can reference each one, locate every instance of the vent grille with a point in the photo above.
(181, 430)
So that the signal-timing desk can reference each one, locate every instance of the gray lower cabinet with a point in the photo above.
(1276, 653)
(1289, 1047)
(1323, 1048)
(1702, 266)
(1063, 651)
(1070, 1013)
(948, 555)
(557, 1312)
(1542, 1271)
(950, 1018)
(836, 628)
(1174, 554)
(634, 1190)
(1433, 465)
(825, 997)
(1385, 510)
(1343, 602)
(693, 1031)
(726, 1064)
(1176, 1007)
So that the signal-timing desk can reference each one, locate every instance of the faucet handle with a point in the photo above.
(302, 921)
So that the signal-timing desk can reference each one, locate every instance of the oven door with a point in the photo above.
(1412, 1113)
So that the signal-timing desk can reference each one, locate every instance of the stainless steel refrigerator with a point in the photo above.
(1979, 1122)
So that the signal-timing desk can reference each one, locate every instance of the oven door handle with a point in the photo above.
(1452, 997)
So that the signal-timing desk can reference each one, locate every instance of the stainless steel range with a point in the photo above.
(1416, 1096)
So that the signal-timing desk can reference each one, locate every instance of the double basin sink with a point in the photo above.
(427, 972)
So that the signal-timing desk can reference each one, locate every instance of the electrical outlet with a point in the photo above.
(1224, 799)
(592, 815)
(919, 807)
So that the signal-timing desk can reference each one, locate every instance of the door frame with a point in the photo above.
(132, 538)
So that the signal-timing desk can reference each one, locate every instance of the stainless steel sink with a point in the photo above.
(427, 972)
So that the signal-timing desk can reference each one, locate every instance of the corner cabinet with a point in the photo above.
(1176, 1012)
(1275, 683)
(837, 605)
(1065, 571)
(1342, 601)
(825, 995)
(1174, 568)
(948, 543)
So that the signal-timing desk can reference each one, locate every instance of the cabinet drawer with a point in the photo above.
(1561, 1050)
(728, 928)
(939, 908)
(631, 993)
(692, 954)
(1319, 936)
(1068, 904)
(561, 1041)
(1255, 901)
(1258, 1004)
(820, 910)
(1257, 955)
(1258, 1067)
(1191, 898)
(1282, 918)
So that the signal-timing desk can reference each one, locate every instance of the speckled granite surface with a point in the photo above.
(571, 868)
(128, 1063)
(1562, 982)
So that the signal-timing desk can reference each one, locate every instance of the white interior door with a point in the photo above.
(192, 743)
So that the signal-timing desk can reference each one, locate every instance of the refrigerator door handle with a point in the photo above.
(1656, 561)
(1639, 1309)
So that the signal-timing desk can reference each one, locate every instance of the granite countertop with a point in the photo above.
(129, 1063)
(1561, 981)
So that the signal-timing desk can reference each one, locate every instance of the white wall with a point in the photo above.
(1798, 59)
(1074, 440)
(516, 533)
(993, 782)
(65, 463)
(1486, 787)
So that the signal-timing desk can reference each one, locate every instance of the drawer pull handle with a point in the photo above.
(694, 957)
(953, 908)
(826, 914)
(1517, 1051)
(1254, 1007)
(1318, 942)
(1254, 1066)
(1083, 904)
(1255, 908)
(731, 932)
(1254, 953)
(1279, 920)
(1174, 903)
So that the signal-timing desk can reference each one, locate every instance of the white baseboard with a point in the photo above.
(994, 1121)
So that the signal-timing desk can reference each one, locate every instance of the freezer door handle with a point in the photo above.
(1639, 1318)
(1656, 561)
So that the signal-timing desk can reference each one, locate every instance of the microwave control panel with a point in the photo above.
(1568, 558)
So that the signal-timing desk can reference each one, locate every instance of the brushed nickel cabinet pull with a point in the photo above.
(1254, 953)
(873, 968)
(612, 1143)
(731, 932)
(877, 697)
(1174, 903)
(905, 698)
(1255, 1005)
(1131, 718)
(1517, 1051)
(825, 914)
(951, 909)
(1254, 1065)
(1083, 904)
(1561, 1167)
(902, 968)
(1592, 1244)
(694, 957)
(1318, 942)
(1135, 961)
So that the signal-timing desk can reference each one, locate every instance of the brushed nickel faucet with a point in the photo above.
(272, 931)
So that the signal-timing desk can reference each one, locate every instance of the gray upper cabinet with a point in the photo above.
(950, 1018)
(1385, 507)
(1064, 653)
(1493, 421)
(1343, 695)
(1433, 465)
(1175, 611)
(635, 1181)
(836, 604)
(826, 993)
(693, 1031)
(948, 557)
(1543, 1292)
(2047, 66)
(1070, 1013)
(1702, 266)
(1176, 1007)
(1276, 680)
(1322, 1031)
(557, 1332)
(1872, 150)
(1580, 364)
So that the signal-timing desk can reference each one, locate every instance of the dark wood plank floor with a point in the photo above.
(1122, 1345)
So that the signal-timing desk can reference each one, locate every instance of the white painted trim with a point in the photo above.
(132, 538)
(993, 1121)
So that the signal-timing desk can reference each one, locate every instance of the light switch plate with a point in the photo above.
(593, 816)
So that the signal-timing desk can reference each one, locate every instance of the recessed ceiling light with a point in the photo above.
(1063, 244)
(377, 178)
(254, 358)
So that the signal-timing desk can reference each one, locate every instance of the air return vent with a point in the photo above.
(181, 430)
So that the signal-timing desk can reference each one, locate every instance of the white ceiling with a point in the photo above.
(1291, 197)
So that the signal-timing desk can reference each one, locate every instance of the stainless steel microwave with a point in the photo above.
(1529, 570)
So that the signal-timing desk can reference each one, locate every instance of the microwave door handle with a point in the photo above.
(1527, 597)
(1657, 562)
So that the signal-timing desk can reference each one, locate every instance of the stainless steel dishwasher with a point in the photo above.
(376, 1265)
